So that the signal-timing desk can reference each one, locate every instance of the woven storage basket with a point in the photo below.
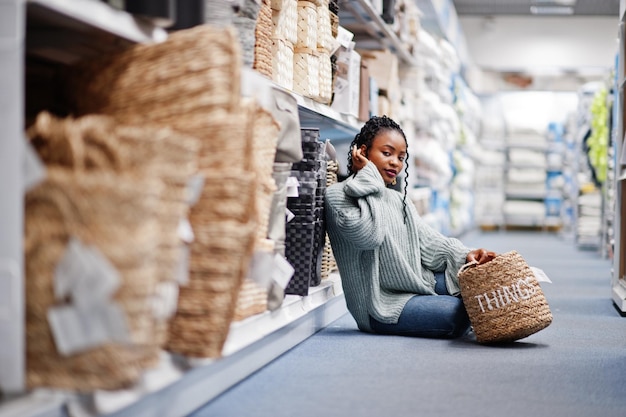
(193, 72)
(253, 296)
(285, 22)
(306, 73)
(263, 40)
(118, 217)
(282, 63)
(98, 143)
(307, 25)
(206, 307)
(334, 24)
(503, 299)
(325, 77)
(324, 29)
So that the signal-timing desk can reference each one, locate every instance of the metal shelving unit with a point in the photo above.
(11, 188)
(618, 281)
(52, 34)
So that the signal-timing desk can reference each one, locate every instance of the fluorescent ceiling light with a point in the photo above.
(552, 10)
(554, 2)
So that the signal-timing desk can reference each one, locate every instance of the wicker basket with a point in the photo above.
(307, 25)
(282, 63)
(503, 299)
(118, 217)
(324, 28)
(325, 77)
(285, 22)
(306, 73)
(263, 42)
(193, 72)
(206, 307)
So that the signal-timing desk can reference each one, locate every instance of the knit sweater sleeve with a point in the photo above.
(355, 212)
(441, 253)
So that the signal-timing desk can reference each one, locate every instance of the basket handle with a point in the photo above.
(467, 266)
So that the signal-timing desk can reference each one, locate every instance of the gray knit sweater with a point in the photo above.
(382, 261)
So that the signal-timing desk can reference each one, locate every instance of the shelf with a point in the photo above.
(333, 125)
(66, 31)
(179, 386)
(370, 30)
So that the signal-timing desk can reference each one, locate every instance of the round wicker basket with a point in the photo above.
(503, 299)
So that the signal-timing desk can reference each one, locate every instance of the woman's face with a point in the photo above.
(387, 152)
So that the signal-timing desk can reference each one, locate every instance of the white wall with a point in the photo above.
(508, 43)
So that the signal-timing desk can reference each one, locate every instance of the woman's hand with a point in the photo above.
(480, 256)
(358, 159)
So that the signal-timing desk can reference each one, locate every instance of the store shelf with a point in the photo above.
(370, 30)
(179, 386)
(333, 125)
(65, 31)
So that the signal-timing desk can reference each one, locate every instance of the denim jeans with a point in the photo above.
(441, 316)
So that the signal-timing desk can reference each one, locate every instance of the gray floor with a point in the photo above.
(574, 368)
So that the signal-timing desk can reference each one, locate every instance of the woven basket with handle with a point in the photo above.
(503, 299)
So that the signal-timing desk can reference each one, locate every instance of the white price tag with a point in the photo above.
(540, 275)
(292, 185)
(195, 185)
(84, 274)
(261, 267)
(283, 271)
(75, 330)
(165, 300)
(34, 169)
(182, 269)
(185, 231)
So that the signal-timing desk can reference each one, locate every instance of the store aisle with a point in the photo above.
(574, 368)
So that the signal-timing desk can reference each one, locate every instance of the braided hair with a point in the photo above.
(371, 128)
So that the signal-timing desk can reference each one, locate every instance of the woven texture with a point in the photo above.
(306, 232)
(122, 189)
(324, 28)
(118, 218)
(503, 299)
(307, 26)
(328, 260)
(263, 40)
(252, 298)
(306, 73)
(192, 73)
(282, 63)
(285, 22)
(325, 76)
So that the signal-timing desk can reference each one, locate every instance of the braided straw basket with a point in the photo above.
(503, 299)
(282, 63)
(194, 71)
(306, 66)
(263, 42)
(119, 218)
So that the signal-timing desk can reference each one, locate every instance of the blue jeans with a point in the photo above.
(441, 316)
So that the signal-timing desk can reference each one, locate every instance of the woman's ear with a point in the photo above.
(363, 149)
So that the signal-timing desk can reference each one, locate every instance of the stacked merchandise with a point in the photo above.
(591, 113)
(306, 232)
(191, 83)
(469, 111)
(490, 159)
(555, 180)
(102, 249)
(525, 177)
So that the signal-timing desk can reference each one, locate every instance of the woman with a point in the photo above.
(398, 274)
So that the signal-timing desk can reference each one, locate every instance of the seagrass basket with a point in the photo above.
(219, 261)
(192, 73)
(118, 217)
(503, 299)
(306, 67)
(263, 40)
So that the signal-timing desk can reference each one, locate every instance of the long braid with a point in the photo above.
(366, 136)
